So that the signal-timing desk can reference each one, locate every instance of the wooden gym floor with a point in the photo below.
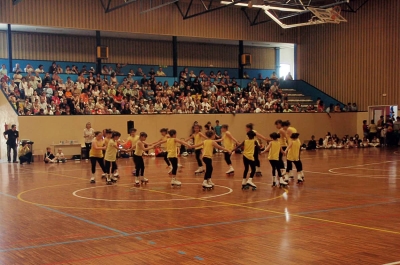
(347, 212)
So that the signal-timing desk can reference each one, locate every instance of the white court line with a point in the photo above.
(393, 263)
(350, 174)
(332, 169)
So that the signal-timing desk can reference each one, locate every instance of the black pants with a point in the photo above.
(298, 165)
(139, 163)
(111, 166)
(276, 166)
(256, 152)
(227, 157)
(198, 154)
(165, 155)
(99, 160)
(174, 163)
(281, 164)
(9, 148)
(88, 147)
(249, 163)
(26, 158)
(209, 167)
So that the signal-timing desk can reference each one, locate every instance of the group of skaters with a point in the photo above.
(285, 142)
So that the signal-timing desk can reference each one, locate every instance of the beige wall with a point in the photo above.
(46, 130)
(228, 23)
(357, 61)
(3, 44)
(7, 116)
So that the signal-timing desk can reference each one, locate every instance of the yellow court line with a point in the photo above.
(19, 196)
(295, 215)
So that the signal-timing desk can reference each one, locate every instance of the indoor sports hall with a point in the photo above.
(199, 132)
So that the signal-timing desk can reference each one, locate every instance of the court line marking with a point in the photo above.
(170, 229)
(73, 216)
(370, 164)
(296, 215)
(137, 188)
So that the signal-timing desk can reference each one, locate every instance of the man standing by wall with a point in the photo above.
(12, 136)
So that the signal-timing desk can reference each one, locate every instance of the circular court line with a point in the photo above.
(186, 199)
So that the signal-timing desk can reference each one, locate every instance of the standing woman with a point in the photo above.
(96, 155)
(88, 134)
(249, 128)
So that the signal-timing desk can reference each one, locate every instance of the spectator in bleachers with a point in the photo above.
(3, 71)
(17, 77)
(17, 68)
(274, 87)
(289, 77)
(59, 69)
(53, 68)
(118, 68)
(139, 72)
(28, 69)
(39, 69)
(75, 70)
(273, 76)
(105, 70)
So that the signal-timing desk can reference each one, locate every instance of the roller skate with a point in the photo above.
(274, 182)
(108, 180)
(175, 183)
(144, 180)
(244, 185)
(209, 181)
(258, 172)
(103, 176)
(113, 179)
(230, 172)
(179, 165)
(199, 171)
(137, 182)
(300, 178)
(286, 178)
(206, 186)
(251, 184)
(283, 183)
(116, 174)
(93, 179)
(134, 172)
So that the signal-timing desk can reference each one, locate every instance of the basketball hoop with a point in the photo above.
(335, 12)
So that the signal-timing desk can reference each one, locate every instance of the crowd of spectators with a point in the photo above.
(85, 92)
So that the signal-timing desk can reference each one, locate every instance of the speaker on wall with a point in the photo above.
(245, 59)
(102, 52)
(130, 125)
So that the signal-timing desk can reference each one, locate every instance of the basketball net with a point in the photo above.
(335, 12)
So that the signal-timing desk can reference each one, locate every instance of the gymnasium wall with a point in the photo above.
(227, 23)
(357, 61)
(3, 44)
(56, 128)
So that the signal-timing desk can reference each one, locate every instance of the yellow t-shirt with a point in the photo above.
(133, 140)
(165, 137)
(208, 148)
(282, 139)
(171, 148)
(227, 142)
(293, 130)
(248, 151)
(138, 149)
(274, 150)
(96, 152)
(23, 151)
(294, 152)
(111, 151)
(197, 140)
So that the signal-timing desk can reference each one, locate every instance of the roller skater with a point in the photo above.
(293, 157)
(111, 157)
(196, 136)
(283, 142)
(288, 131)
(228, 141)
(249, 127)
(131, 145)
(208, 150)
(107, 135)
(96, 155)
(141, 147)
(173, 155)
(248, 160)
(275, 149)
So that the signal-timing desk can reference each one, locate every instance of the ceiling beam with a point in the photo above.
(206, 8)
(15, 2)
